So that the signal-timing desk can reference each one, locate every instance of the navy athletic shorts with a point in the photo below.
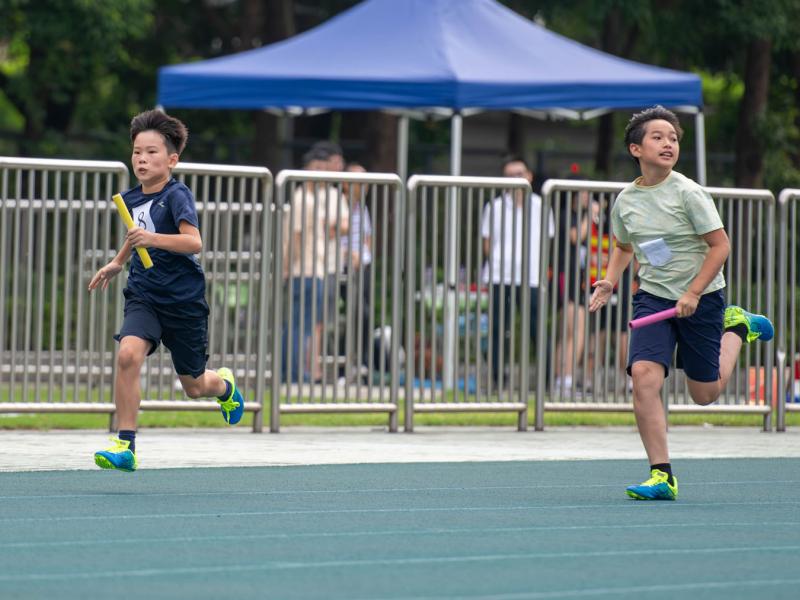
(182, 327)
(698, 337)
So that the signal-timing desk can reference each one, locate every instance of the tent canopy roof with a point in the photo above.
(454, 54)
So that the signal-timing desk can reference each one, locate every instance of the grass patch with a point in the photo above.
(185, 419)
(207, 419)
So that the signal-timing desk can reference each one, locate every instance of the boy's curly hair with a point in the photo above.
(173, 130)
(634, 131)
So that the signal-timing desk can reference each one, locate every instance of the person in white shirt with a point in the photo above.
(501, 230)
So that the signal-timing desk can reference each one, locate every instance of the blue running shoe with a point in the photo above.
(655, 488)
(117, 456)
(233, 406)
(759, 327)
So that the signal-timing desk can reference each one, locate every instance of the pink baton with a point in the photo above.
(654, 318)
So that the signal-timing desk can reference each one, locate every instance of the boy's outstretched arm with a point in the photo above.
(105, 274)
(718, 249)
(621, 257)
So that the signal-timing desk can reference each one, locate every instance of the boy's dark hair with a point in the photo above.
(171, 129)
(511, 158)
(634, 131)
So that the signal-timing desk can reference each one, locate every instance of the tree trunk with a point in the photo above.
(795, 154)
(604, 152)
(271, 22)
(619, 40)
(515, 136)
(381, 138)
(749, 147)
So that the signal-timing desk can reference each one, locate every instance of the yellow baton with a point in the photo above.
(128, 220)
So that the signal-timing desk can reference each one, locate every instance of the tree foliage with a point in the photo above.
(80, 68)
(64, 58)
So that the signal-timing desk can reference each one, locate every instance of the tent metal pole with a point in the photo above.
(456, 125)
(402, 147)
(451, 268)
(700, 143)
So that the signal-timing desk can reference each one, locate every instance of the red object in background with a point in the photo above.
(598, 253)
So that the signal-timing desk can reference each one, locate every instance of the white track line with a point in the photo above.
(391, 562)
(118, 494)
(645, 590)
(624, 505)
(390, 532)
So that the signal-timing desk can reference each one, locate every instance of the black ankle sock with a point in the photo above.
(228, 389)
(740, 330)
(666, 468)
(128, 436)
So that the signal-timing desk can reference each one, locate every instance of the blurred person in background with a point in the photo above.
(317, 215)
(501, 230)
(357, 249)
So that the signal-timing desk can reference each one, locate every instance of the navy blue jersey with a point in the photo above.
(174, 277)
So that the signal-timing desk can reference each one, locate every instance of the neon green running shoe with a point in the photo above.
(759, 327)
(233, 406)
(655, 488)
(117, 456)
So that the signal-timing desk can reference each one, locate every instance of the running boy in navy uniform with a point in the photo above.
(673, 228)
(165, 303)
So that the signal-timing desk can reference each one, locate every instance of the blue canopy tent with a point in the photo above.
(451, 57)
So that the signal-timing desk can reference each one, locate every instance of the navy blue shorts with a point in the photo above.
(698, 337)
(182, 327)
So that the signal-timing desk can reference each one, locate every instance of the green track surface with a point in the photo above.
(438, 530)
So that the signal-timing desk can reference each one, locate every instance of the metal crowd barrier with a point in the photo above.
(467, 317)
(749, 219)
(788, 338)
(331, 336)
(598, 342)
(336, 296)
(58, 226)
(234, 206)
(585, 352)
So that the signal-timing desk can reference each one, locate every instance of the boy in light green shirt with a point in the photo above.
(672, 227)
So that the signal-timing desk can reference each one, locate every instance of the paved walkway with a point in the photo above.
(163, 448)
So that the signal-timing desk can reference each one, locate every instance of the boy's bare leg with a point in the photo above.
(215, 384)
(648, 378)
(205, 386)
(127, 394)
(706, 392)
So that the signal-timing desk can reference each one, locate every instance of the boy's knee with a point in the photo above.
(191, 388)
(705, 400)
(128, 359)
(704, 393)
(644, 372)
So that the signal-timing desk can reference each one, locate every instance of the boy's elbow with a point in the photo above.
(724, 248)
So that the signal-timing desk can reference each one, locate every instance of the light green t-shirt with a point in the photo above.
(665, 223)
